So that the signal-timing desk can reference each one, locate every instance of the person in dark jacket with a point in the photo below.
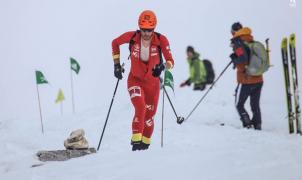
(250, 86)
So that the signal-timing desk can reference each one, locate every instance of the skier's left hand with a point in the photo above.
(158, 69)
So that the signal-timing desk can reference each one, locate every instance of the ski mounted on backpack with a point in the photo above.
(291, 83)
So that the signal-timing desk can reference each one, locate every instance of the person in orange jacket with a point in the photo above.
(146, 48)
(250, 85)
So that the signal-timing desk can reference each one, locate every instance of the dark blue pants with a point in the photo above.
(252, 91)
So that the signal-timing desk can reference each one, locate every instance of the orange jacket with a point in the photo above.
(242, 76)
(140, 69)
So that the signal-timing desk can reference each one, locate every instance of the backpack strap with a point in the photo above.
(158, 47)
(132, 42)
(161, 61)
(248, 46)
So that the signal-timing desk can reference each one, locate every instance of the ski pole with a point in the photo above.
(179, 119)
(268, 50)
(116, 86)
(162, 121)
(208, 90)
(108, 114)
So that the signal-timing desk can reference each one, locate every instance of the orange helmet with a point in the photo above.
(147, 20)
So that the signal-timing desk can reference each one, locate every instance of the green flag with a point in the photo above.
(40, 78)
(74, 65)
(168, 80)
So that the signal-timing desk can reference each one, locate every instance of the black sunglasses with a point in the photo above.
(147, 30)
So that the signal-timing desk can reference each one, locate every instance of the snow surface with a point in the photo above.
(41, 34)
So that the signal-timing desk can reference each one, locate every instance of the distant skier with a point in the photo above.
(145, 47)
(201, 71)
(250, 86)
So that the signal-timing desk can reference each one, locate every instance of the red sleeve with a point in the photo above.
(165, 46)
(122, 39)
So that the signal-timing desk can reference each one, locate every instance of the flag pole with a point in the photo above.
(72, 96)
(162, 122)
(40, 109)
(61, 104)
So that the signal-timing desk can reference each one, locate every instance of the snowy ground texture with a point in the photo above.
(194, 150)
(42, 35)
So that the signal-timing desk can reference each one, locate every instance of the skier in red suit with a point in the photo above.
(146, 47)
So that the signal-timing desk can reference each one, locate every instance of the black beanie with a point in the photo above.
(236, 26)
(190, 49)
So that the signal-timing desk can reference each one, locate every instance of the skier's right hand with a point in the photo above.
(233, 57)
(118, 71)
(183, 84)
(186, 83)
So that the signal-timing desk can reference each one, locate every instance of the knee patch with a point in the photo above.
(135, 91)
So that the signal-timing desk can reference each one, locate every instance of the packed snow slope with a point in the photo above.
(43, 35)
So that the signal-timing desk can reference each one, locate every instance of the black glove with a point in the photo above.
(158, 69)
(233, 57)
(118, 70)
(186, 83)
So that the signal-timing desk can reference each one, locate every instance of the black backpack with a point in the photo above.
(210, 71)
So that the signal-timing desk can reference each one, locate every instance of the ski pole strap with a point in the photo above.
(236, 93)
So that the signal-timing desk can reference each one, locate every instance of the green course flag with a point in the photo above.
(74, 65)
(40, 78)
(168, 80)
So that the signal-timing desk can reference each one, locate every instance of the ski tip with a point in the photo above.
(292, 39)
(284, 43)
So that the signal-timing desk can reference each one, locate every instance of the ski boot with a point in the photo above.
(139, 145)
(246, 122)
(144, 146)
(136, 145)
(257, 125)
